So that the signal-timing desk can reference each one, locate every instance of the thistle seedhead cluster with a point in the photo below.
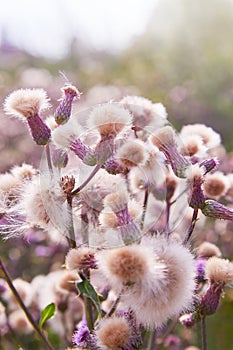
(117, 197)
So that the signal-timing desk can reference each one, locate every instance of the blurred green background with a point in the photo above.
(183, 58)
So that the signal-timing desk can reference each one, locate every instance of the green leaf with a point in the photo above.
(85, 288)
(46, 314)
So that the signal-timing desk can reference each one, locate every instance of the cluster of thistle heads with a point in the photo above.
(125, 192)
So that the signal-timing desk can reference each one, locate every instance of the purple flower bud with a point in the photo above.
(60, 158)
(39, 130)
(112, 166)
(178, 163)
(129, 230)
(196, 180)
(189, 320)
(63, 111)
(210, 299)
(209, 164)
(214, 209)
(84, 152)
(104, 150)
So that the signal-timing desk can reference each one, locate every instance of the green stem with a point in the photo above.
(203, 333)
(24, 308)
(88, 313)
(151, 340)
(92, 174)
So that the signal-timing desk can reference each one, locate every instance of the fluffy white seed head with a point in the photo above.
(65, 134)
(109, 119)
(132, 153)
(207, 250)
(79, 259)
(116, 201)
(145, 112)
(164, 137)
(193, 145)
(25, 103)
(43, 204)
(23, 172)
(125, 264)
(168, 294)
(209, 137)
(219, 271)
(216, 185)
(113, 333)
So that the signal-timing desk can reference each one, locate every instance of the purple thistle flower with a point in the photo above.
(200, 269)
(82, 337)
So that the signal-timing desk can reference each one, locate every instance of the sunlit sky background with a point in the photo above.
(45, 27)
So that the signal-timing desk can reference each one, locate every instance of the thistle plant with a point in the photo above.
(122, 196)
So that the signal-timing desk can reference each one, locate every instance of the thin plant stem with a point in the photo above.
(144, 207)
(48, 158)
(151, 340)
(178, 197)
(203, 333)
(88, 312)
(71, 238)
(88, 304)
(89, 178)
(168, 207)
(191, 227)
(113, 308)
(24, 308)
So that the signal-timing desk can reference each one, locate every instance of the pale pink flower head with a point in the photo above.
(166, 291)
(216, 185)
(27, 104)
(110, 119)
(114, 333)
(145, 113)
(166, 141)
(132, 153)
(209, 137)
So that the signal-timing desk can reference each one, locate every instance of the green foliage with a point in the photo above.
(46, 314)
(85, 288)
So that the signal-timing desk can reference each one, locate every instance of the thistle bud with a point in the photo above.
(214, 209)
(118, 203)
(60, 158)
(195, 180)
(63, 111)
(85, 153)
(210, 300)
(165, 140)
(209, 164)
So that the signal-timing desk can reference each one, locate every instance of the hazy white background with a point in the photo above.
(45, 27)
